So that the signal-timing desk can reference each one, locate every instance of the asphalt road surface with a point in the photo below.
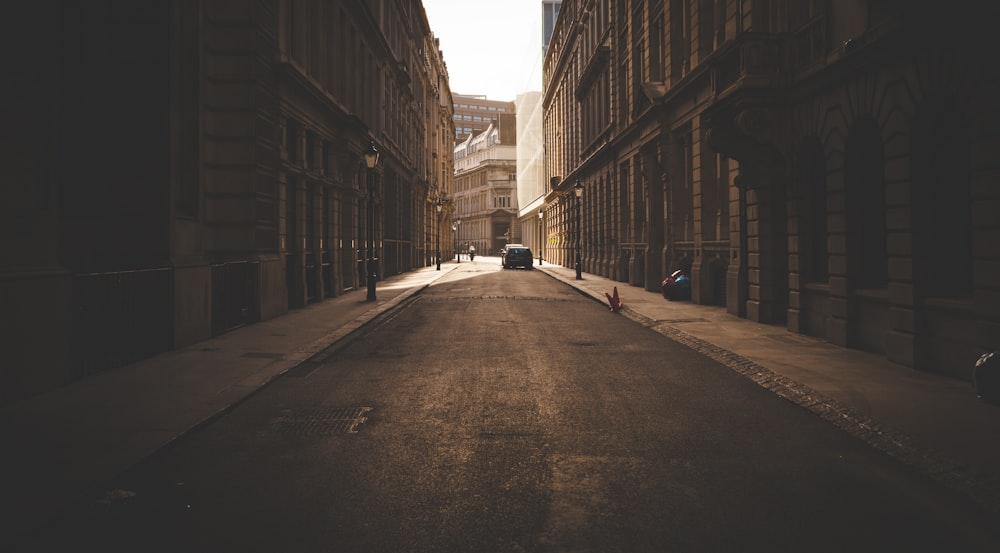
(501, 411)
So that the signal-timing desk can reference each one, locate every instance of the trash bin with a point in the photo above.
(677, 286)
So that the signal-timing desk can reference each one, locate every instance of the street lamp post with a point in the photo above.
(458, 252)
(371, 160)
(541, 234)
(578, 190)
(439, 206)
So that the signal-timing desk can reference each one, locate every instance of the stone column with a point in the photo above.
(767, 249)
(763, 237)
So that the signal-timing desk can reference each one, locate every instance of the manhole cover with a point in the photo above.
(319, 422)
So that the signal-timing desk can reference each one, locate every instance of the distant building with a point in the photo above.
(474, 114)
(486, 188)
(550, 12)
(531, 182)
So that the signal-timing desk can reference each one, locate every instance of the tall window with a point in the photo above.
(639, 198)
(623, 204)
(807, 22)
(812, 212)
(640, 101)
(679, 39)
(292, 141)
(682, 187)
(657, 33)
(710, 193)
(942, 197)
(706, 28)
(310, 157)
(865, 196)
(622, 87)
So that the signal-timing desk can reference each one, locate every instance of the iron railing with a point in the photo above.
(120, 317)
(235, 289)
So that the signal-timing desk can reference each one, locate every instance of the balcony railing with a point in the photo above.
(809, 44)
(766, 59)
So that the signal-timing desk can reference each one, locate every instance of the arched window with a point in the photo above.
(812, 212)
(942, 214)
(865, 206)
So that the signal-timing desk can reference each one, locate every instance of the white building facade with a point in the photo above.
(531, 183)
(485, 199)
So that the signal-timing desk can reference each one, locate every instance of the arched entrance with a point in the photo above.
(942, 236)
(809, 208)
(867, 263)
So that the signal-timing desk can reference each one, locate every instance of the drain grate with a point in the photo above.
(262, 355)
(319, 422)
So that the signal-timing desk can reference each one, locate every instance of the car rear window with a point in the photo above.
(517, 250)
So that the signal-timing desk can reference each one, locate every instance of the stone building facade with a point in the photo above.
(179, 169)
(826, 166)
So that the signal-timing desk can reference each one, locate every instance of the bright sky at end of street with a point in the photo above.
(491, 47)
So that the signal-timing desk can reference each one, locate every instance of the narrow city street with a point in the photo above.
(501, 411)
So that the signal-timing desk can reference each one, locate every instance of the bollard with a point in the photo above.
(614, 300)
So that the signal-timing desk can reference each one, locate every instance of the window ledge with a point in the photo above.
(966, 306)
(818, 287)
(877, 294)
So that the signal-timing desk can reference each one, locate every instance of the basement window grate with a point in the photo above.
(262, 355)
